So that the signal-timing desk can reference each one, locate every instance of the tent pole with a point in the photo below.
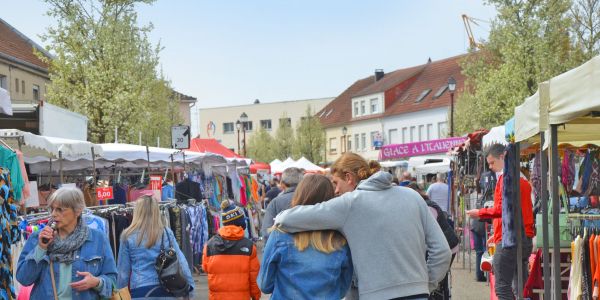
(519, 228)
(544, 204)
(50, 174)
(556, 283)
(173, 174)
(93, 169)
(148, 156)
(60, 167)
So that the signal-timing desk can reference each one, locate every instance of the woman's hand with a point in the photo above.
(88, 282)
(46, 234)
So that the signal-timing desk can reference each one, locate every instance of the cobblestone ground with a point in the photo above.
(464, 286)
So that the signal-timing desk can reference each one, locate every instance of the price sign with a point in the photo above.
(104, 193)
(180, 137)
(156, 182)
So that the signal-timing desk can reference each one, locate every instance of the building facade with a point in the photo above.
(220, 122)
(406, 105)
(22, 73)
(185, 106)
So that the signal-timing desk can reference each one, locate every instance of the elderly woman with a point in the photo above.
(82, 263)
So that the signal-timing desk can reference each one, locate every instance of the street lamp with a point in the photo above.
(238, 125)
(244, 121)
(345, 142)
(451, 88)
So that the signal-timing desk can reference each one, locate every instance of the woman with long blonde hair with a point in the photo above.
(311, 264)
(140, 245)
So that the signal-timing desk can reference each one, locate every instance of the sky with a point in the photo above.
(232, 52)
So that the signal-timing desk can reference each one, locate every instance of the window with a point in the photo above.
(429, 132)
(36, 92)
(393, 136)
(413, 133)
(363, 141)
(421, 133)
(355, 109)
(349, 143)
(422, 96)
(3, 82)
(374, 109)
(404, 135)
(17, 84)
(228, 127)
(285, 121)
(265, 124)
(442, 129)
(247, 125)
(23, 86)
(356, 142)
(362, 107)
(440, 92)
(332, 145)
(373, 138)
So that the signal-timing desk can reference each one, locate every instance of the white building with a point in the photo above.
(220, 122)
(407, 105)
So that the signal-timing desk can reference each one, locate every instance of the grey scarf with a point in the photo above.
(63, 251)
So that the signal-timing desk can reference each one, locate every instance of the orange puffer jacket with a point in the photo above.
(232, 265)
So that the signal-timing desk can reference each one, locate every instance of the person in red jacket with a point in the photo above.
(230, 259)
(505, 259)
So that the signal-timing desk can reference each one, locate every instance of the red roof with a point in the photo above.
(18, 46)
(212, 146)
(435, 77)
(402, 87)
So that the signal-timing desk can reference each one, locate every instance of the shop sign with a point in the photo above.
(211, 129)
(104, 193)
(419, 148)
(377, 140)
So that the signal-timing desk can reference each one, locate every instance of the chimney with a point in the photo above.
(256, 101)
(379, 74)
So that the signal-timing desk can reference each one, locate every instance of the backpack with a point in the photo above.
(445, 224)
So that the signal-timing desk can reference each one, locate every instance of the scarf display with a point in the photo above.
(509, 237)
(63, 251)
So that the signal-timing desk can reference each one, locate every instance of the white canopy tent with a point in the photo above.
(289, 162)
(37, 148)
(275, 163)
(433, 168)
(496, 135)
(307, 165)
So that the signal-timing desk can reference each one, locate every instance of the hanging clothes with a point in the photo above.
(10, 161)
(10, 230)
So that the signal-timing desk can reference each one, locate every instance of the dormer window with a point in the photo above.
(423, 95)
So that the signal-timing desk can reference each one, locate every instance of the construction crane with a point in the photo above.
(467, 21)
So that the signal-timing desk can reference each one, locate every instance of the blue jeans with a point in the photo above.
(479, 241)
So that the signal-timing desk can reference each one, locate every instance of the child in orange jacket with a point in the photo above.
(230, 259)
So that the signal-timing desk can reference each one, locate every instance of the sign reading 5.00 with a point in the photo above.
(104, 193)
(180, 137)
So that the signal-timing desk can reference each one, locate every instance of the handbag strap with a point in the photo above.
(168, 239)
(53, 281)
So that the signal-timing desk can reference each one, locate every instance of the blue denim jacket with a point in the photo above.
(94, 256)
(136, 263)
(288, 273)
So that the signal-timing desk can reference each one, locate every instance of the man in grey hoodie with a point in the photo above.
(398, 249)
(290, 178)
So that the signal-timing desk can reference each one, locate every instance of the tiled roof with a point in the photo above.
(17, 46)
(435, 77)
(339, 110)
(183, 97)
(390, 80)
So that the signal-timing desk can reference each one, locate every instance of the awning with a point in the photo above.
(34, 146)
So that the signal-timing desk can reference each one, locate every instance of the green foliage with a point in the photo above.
(105, 68)
(284, 139)
(529, 42)
(260, 146)
(310, 137)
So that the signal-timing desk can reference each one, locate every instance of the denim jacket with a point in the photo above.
(288, 273)
(94, 256)
(136, 263)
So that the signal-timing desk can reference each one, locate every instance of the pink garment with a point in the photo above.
(243, 198)
(26, 192)
(25, 293)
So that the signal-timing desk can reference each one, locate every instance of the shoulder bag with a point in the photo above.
(168, 269)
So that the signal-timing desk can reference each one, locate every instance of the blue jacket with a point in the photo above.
(94, 256)
(288, 273)
(136, 263)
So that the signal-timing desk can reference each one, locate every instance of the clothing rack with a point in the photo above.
(583, 217)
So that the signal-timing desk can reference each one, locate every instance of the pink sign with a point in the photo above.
(419, 148)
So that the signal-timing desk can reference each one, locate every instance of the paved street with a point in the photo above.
(464, 286)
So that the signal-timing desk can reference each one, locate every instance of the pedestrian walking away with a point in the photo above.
(307, 265)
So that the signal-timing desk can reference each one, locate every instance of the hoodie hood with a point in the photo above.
(377, 182)
(228, 235)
